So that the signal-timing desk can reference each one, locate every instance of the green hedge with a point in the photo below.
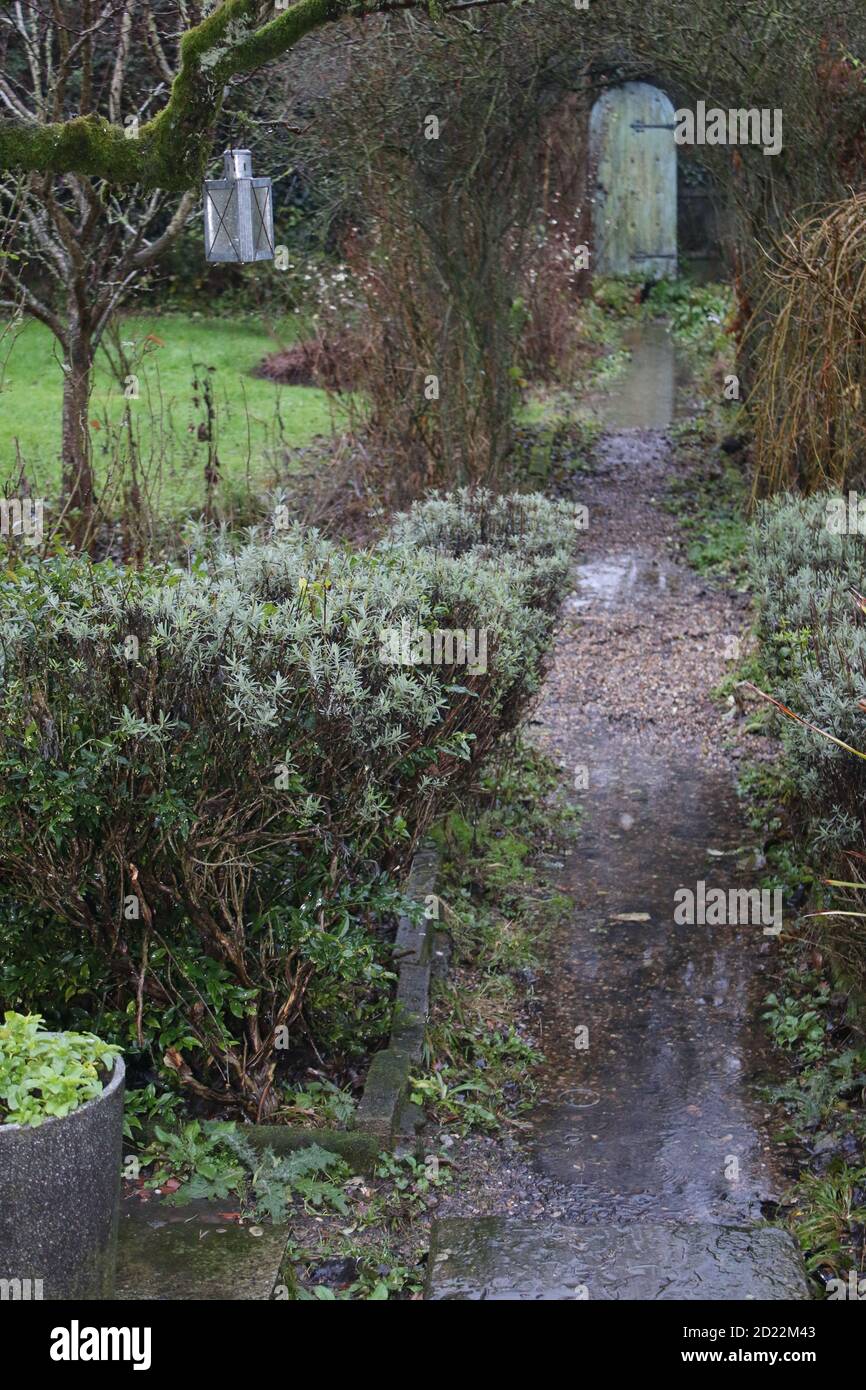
(211, 782)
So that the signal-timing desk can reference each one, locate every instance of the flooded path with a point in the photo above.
(650, 1028)
(650, 1138)
(653, 1053)
(649, 393)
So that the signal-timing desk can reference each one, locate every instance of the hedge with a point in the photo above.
(812, 630)
(212, 779)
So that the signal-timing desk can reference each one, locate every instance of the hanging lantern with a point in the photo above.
(238, 213)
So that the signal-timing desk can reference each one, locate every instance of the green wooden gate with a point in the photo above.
(633, 176)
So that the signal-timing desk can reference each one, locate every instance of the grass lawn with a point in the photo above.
(255, 420)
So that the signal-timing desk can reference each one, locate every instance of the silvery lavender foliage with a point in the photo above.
(208, 773)
(813, 644)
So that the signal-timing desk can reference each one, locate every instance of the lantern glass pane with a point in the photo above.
(223, 231)
(260, 211)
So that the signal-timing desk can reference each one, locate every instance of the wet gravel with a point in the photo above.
(652, 639)
(644, 640)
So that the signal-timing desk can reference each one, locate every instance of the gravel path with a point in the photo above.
(659, 1117)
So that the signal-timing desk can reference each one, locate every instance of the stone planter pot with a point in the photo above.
(59, 1193)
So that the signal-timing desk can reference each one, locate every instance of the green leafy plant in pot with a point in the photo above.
(61, 1127)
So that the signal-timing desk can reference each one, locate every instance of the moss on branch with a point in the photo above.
(171, 151)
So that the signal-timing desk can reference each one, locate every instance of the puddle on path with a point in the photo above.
(624, 577)
(648, 393)
(654, 1135)
(499, 1258)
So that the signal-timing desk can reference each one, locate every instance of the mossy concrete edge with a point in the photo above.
(377, 1122)
(387, 1086)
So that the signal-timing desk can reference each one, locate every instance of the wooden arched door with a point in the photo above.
(633, 177)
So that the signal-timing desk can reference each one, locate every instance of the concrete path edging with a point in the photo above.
(378, 1120)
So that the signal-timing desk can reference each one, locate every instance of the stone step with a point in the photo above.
(500, 1257)
(193, 1253)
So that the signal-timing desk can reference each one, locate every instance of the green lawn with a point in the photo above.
(256, 420)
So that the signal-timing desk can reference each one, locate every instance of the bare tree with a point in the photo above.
(108, 111)
(79, 249)
(235, 38)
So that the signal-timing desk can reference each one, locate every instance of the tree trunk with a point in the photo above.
(78, 494)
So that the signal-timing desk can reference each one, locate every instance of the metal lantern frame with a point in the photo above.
(238, 213)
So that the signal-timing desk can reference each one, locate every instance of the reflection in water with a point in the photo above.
(616, 578)
(644, 396)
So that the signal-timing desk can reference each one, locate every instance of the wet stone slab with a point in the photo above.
(660, 1114)
(501, 1258)
(191, 1254)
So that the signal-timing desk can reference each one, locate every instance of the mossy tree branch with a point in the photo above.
(171, 151)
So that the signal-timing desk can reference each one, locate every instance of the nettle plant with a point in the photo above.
(212, 779)
(45, 1076)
